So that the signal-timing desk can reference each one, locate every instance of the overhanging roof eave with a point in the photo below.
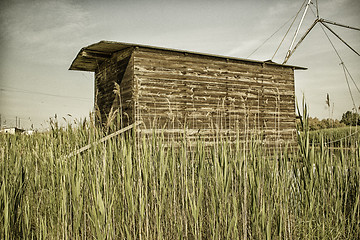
(91, 56)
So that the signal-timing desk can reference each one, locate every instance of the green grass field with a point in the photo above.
(116, 190)
(336, 137)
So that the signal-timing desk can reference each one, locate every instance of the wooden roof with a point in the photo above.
(89, 57)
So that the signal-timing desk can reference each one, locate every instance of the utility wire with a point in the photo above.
(337, 140)
(40, 93)
(270, 37)
(343, 65)
(282, 40)
(323, 21)
(332, 31)
(352, 78)
(337, 53)
(347, 81)
(262, 44)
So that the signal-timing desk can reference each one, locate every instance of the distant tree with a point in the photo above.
(323, 124)
(338, 124)
(328, 123)
(350, 118)
(316, 124)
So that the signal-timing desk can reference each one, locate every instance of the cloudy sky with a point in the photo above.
(40, 38)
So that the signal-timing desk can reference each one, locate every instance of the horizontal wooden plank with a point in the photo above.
(191, 58)
(229, 78)
(277, 123)
(215, 102)
(201, 90)
(233, 80)
(213, 110)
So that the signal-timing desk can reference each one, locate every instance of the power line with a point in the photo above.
(343, 65)
(352, 78)
(10, 89)
(318, 20)
(282, 40)
(293, 17)
(290, 51)
(322, 22)
(270, 37)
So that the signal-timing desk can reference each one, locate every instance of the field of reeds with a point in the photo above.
(127, 189)
(336, 137)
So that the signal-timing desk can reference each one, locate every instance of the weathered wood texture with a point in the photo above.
(197, 96)
(114, 89)
(209, 96)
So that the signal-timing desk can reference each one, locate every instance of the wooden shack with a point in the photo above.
(200, 95)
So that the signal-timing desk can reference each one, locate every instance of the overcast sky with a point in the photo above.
(39, 40)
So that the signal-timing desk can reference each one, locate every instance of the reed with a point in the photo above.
(127, 189)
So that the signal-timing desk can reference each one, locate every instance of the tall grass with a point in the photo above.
(337, 137)
(124, 189)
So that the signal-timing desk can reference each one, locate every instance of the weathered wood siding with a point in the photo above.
(213, 95)
(108, 102)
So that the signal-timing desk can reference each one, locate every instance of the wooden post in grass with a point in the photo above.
(103, 139)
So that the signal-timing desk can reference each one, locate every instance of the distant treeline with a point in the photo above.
(347, 119)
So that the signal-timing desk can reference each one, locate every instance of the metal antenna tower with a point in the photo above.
(324, 22)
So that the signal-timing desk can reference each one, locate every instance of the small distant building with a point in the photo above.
(201, 95)
(29, 132)
(12, 130)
